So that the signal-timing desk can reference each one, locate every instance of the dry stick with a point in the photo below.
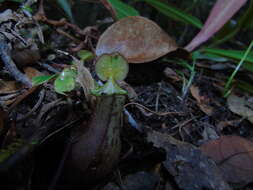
(10, 65)
(151, 111)
(37, 105)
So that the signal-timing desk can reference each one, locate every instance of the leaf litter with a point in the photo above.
(164, 152)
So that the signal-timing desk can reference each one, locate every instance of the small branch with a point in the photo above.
(10, 65)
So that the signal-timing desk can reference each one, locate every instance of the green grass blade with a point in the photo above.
(245, 55)
(233, 54)
(123, 9)
(175, 13)
(41, 79)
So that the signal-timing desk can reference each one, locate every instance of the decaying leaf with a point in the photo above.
(9, 87)
(241, 106)
(31, 72)
(25, 57)
(137, 38)
(85, 79)
(202, 100)
(191, 169)
(234, 155)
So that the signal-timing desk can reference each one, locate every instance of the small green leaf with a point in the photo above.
(66, 81)
(123, 9)
(85, 55)
(174, 13)
(41, 79)
(113, 65)
(27, 8)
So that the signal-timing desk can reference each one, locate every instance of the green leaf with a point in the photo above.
(123, 9)
(27, 8)
(41, 79)
(174, 13)
(233, 54)
(66, 81)
(85, 55)
(65, 5)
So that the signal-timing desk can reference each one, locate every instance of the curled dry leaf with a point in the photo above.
(84, 78)
(234, 155)
(137, 38)
(241, 106)
(203, 101)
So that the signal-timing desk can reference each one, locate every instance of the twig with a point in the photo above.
(151, 111)
(48, 67)
(37, 105)
(10, 65)
(8, 97)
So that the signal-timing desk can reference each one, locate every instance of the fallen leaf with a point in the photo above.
(203, 101)
(191, 169)
(222, 11)
(25, 57)
(30, 72)
(85, 79)
(234, 155)
(9, 86)
(171, 74)
(137, 38)
(241, 106)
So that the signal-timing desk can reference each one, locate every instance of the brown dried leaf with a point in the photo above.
(31, 72)
(202, 100)
(137, 38)
(25, 57)
(241, 106)
(9, 87)
(234, 155)
(85, 79)
(191, 169)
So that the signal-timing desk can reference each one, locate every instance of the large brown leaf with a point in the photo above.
(234, 155)
(137, 38)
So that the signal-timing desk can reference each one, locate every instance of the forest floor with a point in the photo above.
(174, 136)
